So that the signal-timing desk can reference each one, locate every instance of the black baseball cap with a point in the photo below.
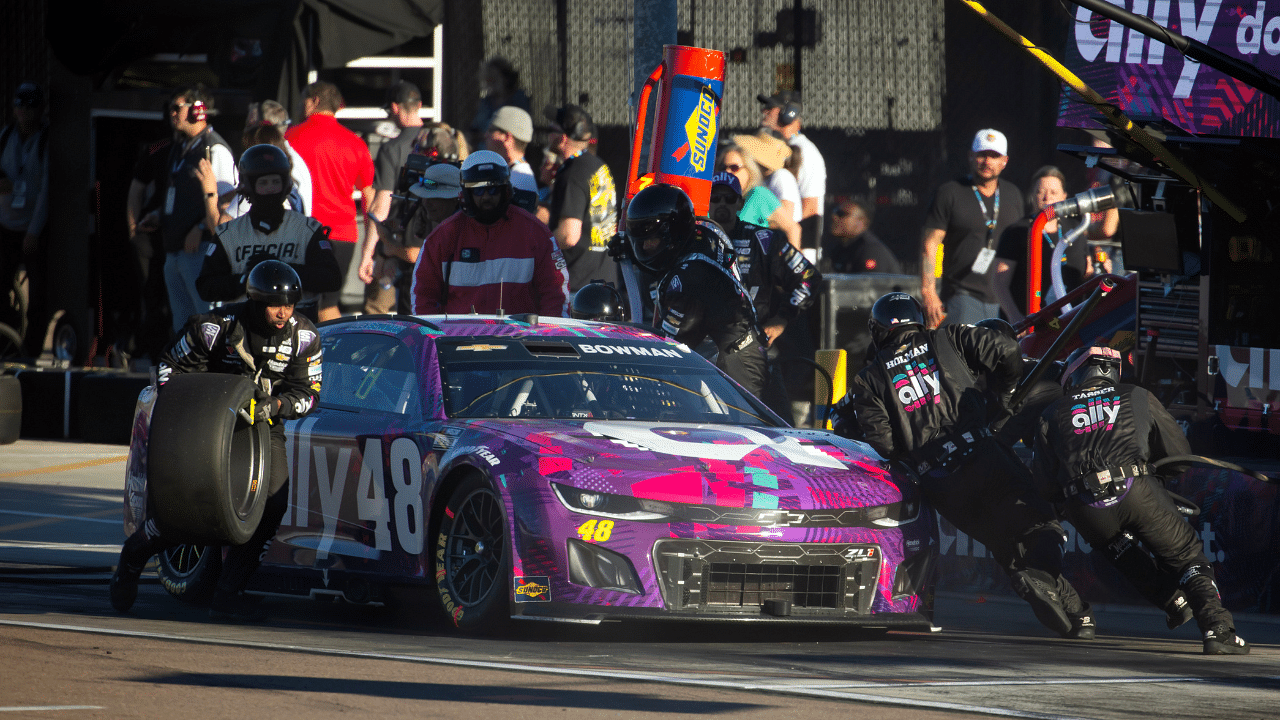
(28, 94)
(401, 93)
(780, 99)
(568, 117)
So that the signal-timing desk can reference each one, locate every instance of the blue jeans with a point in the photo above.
(966, 310)
(180, 272)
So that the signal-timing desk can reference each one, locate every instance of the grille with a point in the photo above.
(727, 577)
(805, 586)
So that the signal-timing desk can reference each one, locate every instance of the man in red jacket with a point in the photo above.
(492, 257)
(339, 162)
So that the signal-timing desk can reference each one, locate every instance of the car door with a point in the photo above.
(356, 500)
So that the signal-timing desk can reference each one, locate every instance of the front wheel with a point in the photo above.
(190, 572)
(473, 559)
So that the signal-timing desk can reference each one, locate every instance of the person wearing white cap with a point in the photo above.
(510, 132)
(964, 224)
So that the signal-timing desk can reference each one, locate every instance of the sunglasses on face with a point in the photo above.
(177, 107)
(732, 168)
(724, 199)
(486, 190)
(842, 213)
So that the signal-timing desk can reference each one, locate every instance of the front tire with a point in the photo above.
(190, 572)
(473, 559)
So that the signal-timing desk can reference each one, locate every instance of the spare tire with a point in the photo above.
(207, 468)
(10, 409)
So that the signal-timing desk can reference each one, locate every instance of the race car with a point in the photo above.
(561, 469)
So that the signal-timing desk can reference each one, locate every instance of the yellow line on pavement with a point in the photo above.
(64, 468)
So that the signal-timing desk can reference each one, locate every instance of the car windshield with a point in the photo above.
(559, 382)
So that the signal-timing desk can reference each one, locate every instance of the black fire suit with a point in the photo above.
(284, 364)
(699, 298)
(918, 401)
(1091, 452)
(781, 282)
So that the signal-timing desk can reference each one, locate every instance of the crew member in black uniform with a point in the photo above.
(779, 279)
(1092, 450)
(918, 401)
(261, 339)
(268, 231)
(1018, 424)
(698, 293)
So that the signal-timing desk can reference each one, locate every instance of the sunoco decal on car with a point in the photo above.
(628, 350)
(533, 589)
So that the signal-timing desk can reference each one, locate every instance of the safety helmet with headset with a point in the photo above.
(892, 312)
(273, 283)
(485, 169)
(598, 301)
(660, 226)
(1087, 364)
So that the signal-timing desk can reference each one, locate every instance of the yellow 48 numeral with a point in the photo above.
(596, 530)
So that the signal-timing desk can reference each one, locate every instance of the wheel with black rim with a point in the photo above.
(473, 559)
(190, 572)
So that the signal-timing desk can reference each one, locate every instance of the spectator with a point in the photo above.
(146, 193)
(853, 248)
(584, 200)
(501, 87)
(182, 218)
(509, 135)
(271, 113)
(24, 208)
(492, 257)
(966, 220)
(1048, 186)
(782, 112)
(339, 162)
(760, 206)
(268, 231)
(771, 154)
(404, 101)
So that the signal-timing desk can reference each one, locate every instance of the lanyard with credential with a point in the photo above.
(995, 214)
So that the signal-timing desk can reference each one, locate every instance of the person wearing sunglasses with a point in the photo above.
(493, 257)
(1093, 450)
(852, 247)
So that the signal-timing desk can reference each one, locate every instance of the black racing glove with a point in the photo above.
(619, 247)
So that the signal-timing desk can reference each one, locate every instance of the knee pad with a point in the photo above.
(1041, 547)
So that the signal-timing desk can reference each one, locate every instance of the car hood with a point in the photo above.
(704, 464)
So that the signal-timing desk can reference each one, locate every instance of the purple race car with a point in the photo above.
(570, 470)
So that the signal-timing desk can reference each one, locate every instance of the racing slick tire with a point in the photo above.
(473, 559)
(208, 468)
(190, 572)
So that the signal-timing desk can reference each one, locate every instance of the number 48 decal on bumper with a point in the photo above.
(595, 530)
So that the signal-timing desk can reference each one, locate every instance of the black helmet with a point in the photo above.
(262, 160)
(1091, 363)
(483, 169)
(597, 301)
(1000, 325)
(660, 226)
(273, 283)
(891, 311)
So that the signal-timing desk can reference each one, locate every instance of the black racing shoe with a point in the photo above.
(1082, 627)
(1044, 600)
(1223, 640)
(1178, 611)
(124, 587)
(236, 607)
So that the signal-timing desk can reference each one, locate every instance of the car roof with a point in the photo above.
(517, 326)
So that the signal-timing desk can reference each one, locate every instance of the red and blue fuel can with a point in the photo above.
(682, 146)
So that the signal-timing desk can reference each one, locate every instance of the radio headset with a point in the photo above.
(197, 112)
(789, 113)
